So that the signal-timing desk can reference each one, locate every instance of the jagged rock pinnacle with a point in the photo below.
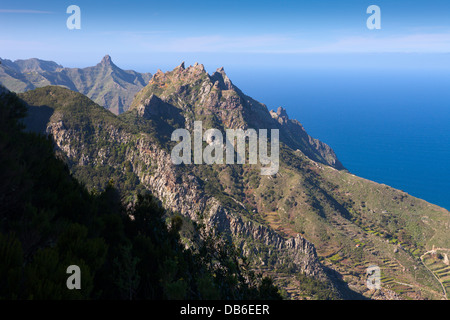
(281, 112)
(106, 60)
(181, 66)
(199, 66)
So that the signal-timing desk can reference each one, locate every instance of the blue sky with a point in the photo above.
(233, 32)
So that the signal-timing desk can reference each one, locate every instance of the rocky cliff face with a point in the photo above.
(297, 138)
(216, 101)
(275, 220)
(182, 192)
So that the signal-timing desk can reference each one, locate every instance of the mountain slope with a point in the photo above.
(286, 223)
(49, 221)
(219, 104)
(352, 222)
(105, 83)
(99, 146)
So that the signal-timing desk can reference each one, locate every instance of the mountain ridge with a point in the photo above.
(220, 102)
(50, 223)
(350, 222)
(105, 83)
(179, 191)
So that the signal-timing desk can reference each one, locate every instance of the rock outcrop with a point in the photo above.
(182, 192)
(275, 219)
(220, 104)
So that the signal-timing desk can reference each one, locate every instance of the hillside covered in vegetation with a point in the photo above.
(48, 221)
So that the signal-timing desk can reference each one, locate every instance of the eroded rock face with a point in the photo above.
(178, 98)
(216, 101)
(183, 95)
(136, 144)
(294, 133)
(182, 192)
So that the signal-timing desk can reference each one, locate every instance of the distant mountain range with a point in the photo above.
(104, 83)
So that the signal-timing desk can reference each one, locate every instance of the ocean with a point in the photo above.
(388, 125)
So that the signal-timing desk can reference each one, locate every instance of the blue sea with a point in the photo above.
(388, 125)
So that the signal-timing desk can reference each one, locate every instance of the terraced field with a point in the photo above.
(437, 262)
(373, 247)
(391, 255)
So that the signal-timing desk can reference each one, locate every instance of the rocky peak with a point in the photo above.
(159, 76)
(281, 115)
(180, 67)
(179, 76)
(147, 108)
(155, 108)
(106, 61)
(221, 77)
(218, 101)
(281, 112)
(195, 71)
(199, 67)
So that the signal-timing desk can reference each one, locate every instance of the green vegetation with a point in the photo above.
(48, 221)
(95, 140)
(316, 289)
(352, 222)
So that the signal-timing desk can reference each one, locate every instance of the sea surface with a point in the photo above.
(388, 125)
